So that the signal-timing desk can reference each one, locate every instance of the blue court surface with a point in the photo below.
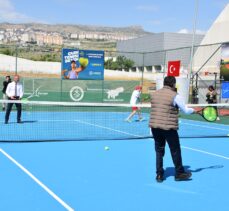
(109, 175)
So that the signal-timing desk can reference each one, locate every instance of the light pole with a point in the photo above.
(16, 58)
(193, 41)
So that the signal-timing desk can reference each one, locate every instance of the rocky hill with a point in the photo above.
(65, 28)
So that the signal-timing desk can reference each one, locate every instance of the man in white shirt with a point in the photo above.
(14, 91)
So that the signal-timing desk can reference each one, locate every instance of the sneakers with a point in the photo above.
(183, 176)
(159, 178)
(217, 118)
(141, 119)
(19, 122)
(128, 120)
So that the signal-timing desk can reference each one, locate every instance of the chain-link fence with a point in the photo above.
(42, 78)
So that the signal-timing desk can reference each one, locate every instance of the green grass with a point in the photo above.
(224, 71)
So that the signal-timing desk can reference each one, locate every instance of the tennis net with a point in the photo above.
(71, 121)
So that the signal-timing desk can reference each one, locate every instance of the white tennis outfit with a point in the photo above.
(135, 97)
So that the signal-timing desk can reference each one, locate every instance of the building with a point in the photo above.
(152, 52)
(28, 37)
(50, 39)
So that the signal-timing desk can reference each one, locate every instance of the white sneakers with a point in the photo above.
(129, 120)
(141, 119)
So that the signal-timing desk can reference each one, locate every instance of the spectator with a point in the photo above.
(4, 96)
(211, 95)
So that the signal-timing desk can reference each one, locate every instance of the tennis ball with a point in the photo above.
(24, 99)
(83, 62)
(106, 148)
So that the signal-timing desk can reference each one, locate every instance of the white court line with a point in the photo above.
(205, 126)
(108, 128)
(119, 131)
(37, 181)
(205, 152)
(204, 122)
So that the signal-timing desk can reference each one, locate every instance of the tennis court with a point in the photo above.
(63, 158)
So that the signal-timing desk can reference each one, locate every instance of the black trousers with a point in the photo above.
(9, 108)
(171, 137)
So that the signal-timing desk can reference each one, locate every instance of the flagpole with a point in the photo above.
(193, 41)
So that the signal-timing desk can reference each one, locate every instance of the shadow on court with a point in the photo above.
(31, 121)
(170, 171)
(24, 122)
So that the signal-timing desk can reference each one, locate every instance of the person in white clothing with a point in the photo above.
(134, 100)
(14, 91)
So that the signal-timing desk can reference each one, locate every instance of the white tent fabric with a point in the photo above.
(218, 33)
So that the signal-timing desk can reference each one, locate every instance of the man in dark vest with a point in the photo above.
(164, 125)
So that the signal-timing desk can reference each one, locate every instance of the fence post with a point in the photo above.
(143, 64)
(165, 58)
(16, 52)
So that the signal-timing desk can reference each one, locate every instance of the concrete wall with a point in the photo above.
(8, 63)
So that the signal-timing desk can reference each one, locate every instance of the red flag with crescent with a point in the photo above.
(173, 68)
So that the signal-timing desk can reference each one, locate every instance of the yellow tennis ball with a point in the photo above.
(24, 99)
(106, 148)
(83, 62)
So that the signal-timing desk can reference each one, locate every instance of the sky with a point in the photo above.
(152, 15)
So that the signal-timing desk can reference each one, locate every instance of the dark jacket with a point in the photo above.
(211, 97)
(5, 84)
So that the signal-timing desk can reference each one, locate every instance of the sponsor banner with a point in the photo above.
(82, 64)
(110, 95)
(224, 64)
(225, 90)
(113, 95)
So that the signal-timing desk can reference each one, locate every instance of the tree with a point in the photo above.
(128, 63)
(121, 63)
(108, 64)
(7, 52)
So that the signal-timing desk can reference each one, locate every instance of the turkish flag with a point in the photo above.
(173, 68)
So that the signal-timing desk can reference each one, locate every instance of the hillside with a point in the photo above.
(130, 30)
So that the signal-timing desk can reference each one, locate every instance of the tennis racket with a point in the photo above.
(27, 107)
(209, 113)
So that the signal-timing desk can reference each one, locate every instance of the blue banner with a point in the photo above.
(225, 90)
(82, 64)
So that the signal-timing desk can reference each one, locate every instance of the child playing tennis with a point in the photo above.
(134, 100)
